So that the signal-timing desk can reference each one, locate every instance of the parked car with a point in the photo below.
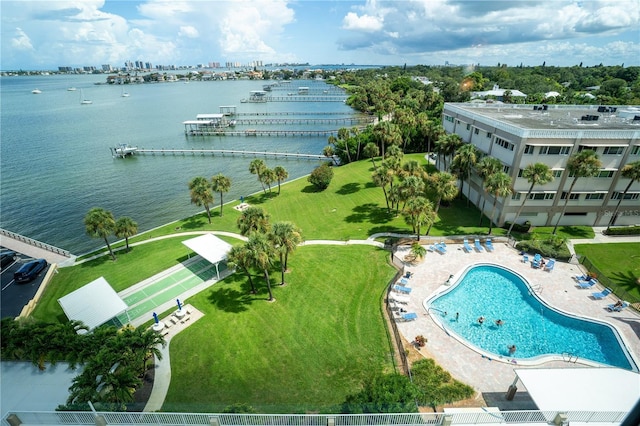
(29, 270)
(7, 257)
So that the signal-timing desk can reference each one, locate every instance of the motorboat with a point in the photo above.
(125, 94)
(71, 89)
(36, 91)
(124, 150)
(83, 100)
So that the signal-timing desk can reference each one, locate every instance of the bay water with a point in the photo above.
(56, 164)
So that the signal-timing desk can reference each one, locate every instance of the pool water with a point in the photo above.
(535, 329)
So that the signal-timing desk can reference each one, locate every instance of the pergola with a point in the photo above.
(93, 304)
(210, 248)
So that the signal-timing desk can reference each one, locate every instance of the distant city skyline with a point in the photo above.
(49, 34)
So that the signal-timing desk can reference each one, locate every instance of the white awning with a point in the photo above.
(547, 144)
(581, 389)
(93, 304)
(210, 247)
(603, 144)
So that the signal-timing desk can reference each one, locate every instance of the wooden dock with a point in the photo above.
(233, 153)
(286, 121)
(305, 98)
(262, 132)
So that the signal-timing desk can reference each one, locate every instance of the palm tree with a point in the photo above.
(418, 211)
(443, 185)
(201, 194)
(371, 150)
(536, 174)
(268, 177)
(257, 167)
(252, 220)
(281, 175)
(581, 164)
(220, 183)
(239, 256)
(387, 133)
(100, 223)
(630, 171)
(261, 253)
(409, 188)
(125, 228)
(486, 167)
(285, 237)
(452, 143)
(382, 177)
(466, 158)
(499, 186)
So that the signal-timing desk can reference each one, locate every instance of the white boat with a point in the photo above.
(84, 101)
(36, 91)
(71, 89)
(124, 150)
(124, 94)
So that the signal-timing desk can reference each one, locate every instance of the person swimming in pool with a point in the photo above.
(512, 349)
(499, 322)
(480, 320)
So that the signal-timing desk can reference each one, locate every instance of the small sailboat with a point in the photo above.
(84, 101)
(71, 89)
(36, 91)
(124, 94)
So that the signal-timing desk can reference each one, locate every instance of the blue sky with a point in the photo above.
(47, 34)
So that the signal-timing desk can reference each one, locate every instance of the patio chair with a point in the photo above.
(409, 316)
(440, 248)
(467, 247)
(488, 244)
(398, 298)
(587, 284)
(537, 260)
(408, 274)
(477, 245)
(525, 258)
(583, 277)
(604, 293)
(550, 265)
(403, 281)
(619, 308)
(401, 289)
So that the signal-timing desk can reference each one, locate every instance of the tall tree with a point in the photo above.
(201, 194)
(580, 165)
(125, 228)
(499, 186)
(409, 188)
(418, 211)
(261, 252)
(382, 177)
(281, 175)
(257, 167)
(486, 167)
(466, 158)
(630, 171)
(240, 257)
(444, 187)
(221, 184)
(253, 220)
(100, 223)
(285, 237)
(268, 177)
(371, 150)
(535, 174)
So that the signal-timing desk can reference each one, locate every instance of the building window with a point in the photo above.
(554, 150)
(506, 169)
(529, 149)
(571, 197)
(448, 118)
(504, 144)
(583, 147)
(635, 150)
(541, 196)
(613, 150)
(515, 196)
(629, 196)
(520, 172)
(476, 131)
(575, 214)
(468, 126)
(598, 196)
(489, 136)
(557, 173)
(606, 173)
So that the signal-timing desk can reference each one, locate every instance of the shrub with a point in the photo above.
(387, 393)
(321, 176)
(520, 228)
(623, 230)
(436, 385)
(552, 247)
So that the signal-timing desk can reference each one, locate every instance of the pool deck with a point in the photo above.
(557, 288)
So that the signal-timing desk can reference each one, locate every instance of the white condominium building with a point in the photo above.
(519, 135)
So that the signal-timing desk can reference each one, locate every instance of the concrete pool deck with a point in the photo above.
(557, 288)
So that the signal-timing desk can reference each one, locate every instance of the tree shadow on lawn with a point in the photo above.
(371, 213)
(627, 280)
(455, 229)
(261, 198)
(195, 222)
(233, 300)
(576, 231)
(349, 188)
(311, 189)
(370, 185)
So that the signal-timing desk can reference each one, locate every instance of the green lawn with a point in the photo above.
(620, 262)
(304, 352)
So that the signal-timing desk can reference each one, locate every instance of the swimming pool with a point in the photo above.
(537, 330)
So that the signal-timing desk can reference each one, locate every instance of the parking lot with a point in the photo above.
(15, 296)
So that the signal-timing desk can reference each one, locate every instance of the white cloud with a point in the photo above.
(188, 31)
(21, 41)
(362, 23)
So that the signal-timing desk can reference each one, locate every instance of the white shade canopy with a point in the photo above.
(209, 247)
(93, 304)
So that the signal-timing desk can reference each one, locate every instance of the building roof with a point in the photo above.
(209, 247)
(93, 304)
(581, 389)
(558, 117)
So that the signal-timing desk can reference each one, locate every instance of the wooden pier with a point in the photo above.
(305, 98)
(261, 132)
(233, 153)
(272, 121)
